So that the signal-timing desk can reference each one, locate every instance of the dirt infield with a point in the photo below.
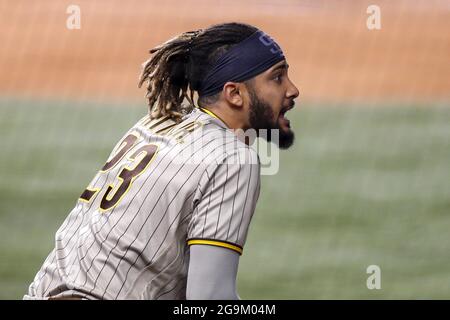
(332, 54)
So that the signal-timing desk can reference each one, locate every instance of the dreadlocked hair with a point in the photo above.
(176, 68)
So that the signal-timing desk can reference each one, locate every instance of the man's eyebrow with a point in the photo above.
(281, 66)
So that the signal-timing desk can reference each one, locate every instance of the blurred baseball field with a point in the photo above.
(366, 183)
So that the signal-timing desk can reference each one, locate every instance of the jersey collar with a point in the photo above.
(212, 114)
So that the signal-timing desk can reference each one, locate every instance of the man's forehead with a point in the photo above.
(277, 66)
(280, 65)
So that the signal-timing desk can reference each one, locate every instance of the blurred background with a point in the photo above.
(367, 182)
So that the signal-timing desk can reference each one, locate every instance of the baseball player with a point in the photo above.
(167, 215)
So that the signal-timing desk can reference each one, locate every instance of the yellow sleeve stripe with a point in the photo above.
(216, 243)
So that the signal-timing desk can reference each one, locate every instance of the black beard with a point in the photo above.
(261, 117)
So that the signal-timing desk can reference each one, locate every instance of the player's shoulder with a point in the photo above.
(219, 139)
(201, 134)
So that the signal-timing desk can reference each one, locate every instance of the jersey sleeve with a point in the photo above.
(228, 193)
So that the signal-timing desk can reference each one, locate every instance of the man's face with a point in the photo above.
(271, 95)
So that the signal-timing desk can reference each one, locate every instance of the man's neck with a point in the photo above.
(229, 119)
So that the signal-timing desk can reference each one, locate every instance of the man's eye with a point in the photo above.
(278, 78)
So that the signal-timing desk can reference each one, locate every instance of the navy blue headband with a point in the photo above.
(245, 60)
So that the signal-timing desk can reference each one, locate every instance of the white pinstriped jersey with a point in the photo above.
(164, 187)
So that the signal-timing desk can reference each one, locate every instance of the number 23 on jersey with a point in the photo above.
(140, 160)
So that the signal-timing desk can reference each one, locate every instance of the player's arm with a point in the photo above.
(212, 273)
(219, 225)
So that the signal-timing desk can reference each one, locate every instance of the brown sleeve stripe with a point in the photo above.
(216, 243)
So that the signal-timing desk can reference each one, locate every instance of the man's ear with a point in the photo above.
(233, 94)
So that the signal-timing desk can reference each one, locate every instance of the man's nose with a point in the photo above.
(292, 91)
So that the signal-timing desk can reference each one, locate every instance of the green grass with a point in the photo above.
(361, 186)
